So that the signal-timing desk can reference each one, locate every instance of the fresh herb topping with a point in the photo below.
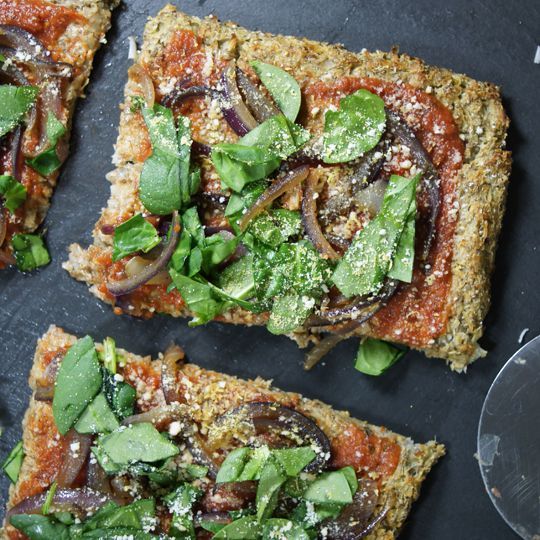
(98, 417)
(30, 251)
(135, 234)
(137, 442)
(180, 503)
(48, 161)
(77, 383)
(370, 257)
(353, 129)
(12, 464)
(374, 357)
(282, 86)
(258, 153)
(16, 102)
(45, 509)
(13, 192)
(167, 181)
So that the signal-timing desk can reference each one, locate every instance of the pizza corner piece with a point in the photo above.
(272, 180)
(117, 445)
(46, 53)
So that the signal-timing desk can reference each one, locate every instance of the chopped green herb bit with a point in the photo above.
(30, 251)
(109, 354)
(353, 129)
(12, 464)
(134, 235)
(13, 192)
(48, 161)
(374, 357)
(45, 509)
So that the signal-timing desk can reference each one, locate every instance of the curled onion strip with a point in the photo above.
(261, 107)
(172, 360)
(75, 456)
(139, 75)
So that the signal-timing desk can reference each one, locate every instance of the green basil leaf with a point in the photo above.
(355, 128)
(245, 528)
(48, 161)
(166, 181)
(374, 357)
(234, 463)
(137, 516)
(180, 503)
(137, 442)
(38, 527)
(252, 469)
(331, 487)
(217, 249)
(369, 258)
(240, 202)
(12, 464)
(275, 227)
(283, 529)
(311, 514)
(282, 86)
(30, 251)
(294, 460)
(77, 383)
(13, 192)
(135, 234)
(351, 478)
(289, 312)
(272, 477)
(258, 153)
(16, 102)
(192, 223)
(97, 417)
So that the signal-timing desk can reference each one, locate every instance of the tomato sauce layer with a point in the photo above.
(418, 313)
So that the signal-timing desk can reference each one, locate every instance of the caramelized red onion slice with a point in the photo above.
(311, 221)
(45, 386)
(140, 76)
(234, 109)
(356, 520)
(269, 417)
(201, 454)
(97, 479)
(172, 360)
(125, 286)
(39, 67)
(229, 496)
(180, 94)
(321, 349)
(77, 449)
(261, 107)
(161, 417)
(3, 222)
(21, 40)
(81, 502)
(278, 187)
(216, 518)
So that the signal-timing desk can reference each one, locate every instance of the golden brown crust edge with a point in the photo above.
(211, 396)
(481, 183)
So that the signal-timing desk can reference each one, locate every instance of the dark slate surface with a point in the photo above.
(488, 40)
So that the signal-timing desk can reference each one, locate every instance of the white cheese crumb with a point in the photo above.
(175, 428)
(537, 55)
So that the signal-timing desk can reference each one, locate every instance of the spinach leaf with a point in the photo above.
(217, 249)
(109, 355)
(258, 153)
(237, 279)
(16, 102)
(240, 202)
(48, 161)
(13, 192)
(282, 86)
(245, 528)
(289, 312)
(276, 226)
(271, 480)
(97, 417)
(369, 258)
(234, 464)
(283, 529)
(135, 234)
(77, 383)
(374, 357)
(137, 442)
(294, 460)
(331, 487)
(38, 527)
(12, 464)
(120, 533)
(403, 263)
(120, 395)
(137, 515)
(355, 128)
(180, 503)
(30, 251)
(166, 182)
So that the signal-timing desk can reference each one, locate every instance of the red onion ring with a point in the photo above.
(180, 94)
(97, 479)
(75, 456)
(125, 286)
(17, 161)
(261, 107)
(80, 501)
(321, 349)
(278, 187)
(311, 222)
(161, 417)
(18, 38)
(234, 109)
(139, 75)
(172, 360)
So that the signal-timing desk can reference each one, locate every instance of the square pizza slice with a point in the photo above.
(120, 446)
(264, 179)
(46, 53)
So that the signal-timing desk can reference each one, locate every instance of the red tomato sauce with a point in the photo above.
(419, 312)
